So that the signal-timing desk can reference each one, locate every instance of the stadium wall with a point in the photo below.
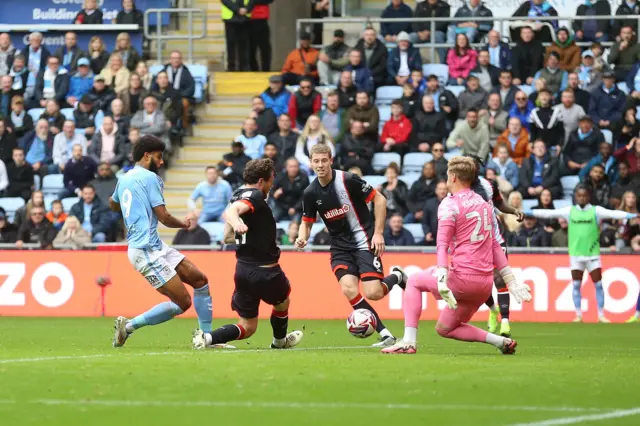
(63, 283)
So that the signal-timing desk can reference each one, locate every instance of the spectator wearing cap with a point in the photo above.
(64, 142)
(81, 82)
(590, 76)
(78, 171)
(236, 15)
(597, 30)
(554, 77)
(581, 147)
(568, 52)
(301, 63)
(101, 95)
(90, 14)
(473, 96)
(7, 53)
(265, 118)
(70, 53)
(461, 60)
(361, 75)
(333, 59)
(403, 59)
(260, 36)
(633, 83)
(606, 106)
(396, 131)
(85, 117)
(499, 51)
(625, 53)
(182, 81)
(51, 83)
(474, 30)
(391, 30)
(304, 102)
(375, 54)
(276, 96)
(233, 163)
(488, 74)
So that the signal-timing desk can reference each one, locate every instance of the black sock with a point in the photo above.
(227, 333)
(279, 323)
(391, 280)
(359, 302)
(504, 300)
(490, 302)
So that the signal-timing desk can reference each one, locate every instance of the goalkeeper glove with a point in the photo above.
(520, 291)
(442, 275)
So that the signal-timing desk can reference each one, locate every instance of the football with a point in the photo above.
(361, 323)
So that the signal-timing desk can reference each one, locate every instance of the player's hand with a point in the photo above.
(442, 275)
(241, 228)
(300, 243)
(377, 244)
(520, 291)
(187, 223)
(520, 216)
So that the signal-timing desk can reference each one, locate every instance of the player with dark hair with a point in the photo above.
(259, 277)
(138, 195)
(357, 243)
(584, 243)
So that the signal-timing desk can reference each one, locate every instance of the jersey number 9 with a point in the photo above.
(125, 202)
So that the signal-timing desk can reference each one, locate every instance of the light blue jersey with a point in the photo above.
(138, 192)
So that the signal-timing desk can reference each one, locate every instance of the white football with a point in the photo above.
(362, 323)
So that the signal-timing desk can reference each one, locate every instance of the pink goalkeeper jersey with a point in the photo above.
(465, 225)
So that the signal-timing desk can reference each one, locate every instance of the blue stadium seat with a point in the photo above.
(81, 131)
(529, 204)
(36, 182)
(48, 200)
(569, 184)
(215, 230)
(69, 202)
(608, 136)
(35, 114)
(283, 224)
(416, 231)
(559, 204)
(68, 114)
(440, 70)
(414, 161)
(409, 178)
(448, 155)
(155, 69)
(623, 86)
(200, 75)
(385, 113)
(375, 180)
(387, 94)
(526, 89)
(456, 90)
(382, 159)
(52, 184)
(99, 119)
(317, 227)
(10, 205)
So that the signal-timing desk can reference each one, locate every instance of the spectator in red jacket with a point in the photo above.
(630, 154)
(304, 103)
(396, 131)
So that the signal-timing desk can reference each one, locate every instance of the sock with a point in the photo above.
(410, 334)
(600, 298)
(359, 302)
(504, 300)
(412, 303)
(466, 333)
(577, 297)
(225, 334)
(491, 304)
(279, 323)
(204, 307)
(389, 281)
(495, 340)
(156, 315)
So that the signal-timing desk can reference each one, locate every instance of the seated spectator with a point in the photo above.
(403, 59)
(195, 235)
(421, 191)
(358, 148)
(121, 120)
(215, 193)
(56, 216)
(84, 116)
(428, 126)
(346, 90)
(301, 63)
(440, 162)
(64, 142)
(72, 234)
(366, 113)
(390, 31)
(78, 172)
(101, 95)
(630, 154)
(313, 133)
(6, 94)
(538, 172)
(492, 174)
(630, 128)
(22, 80)
(570, 113)
(395, 191)
(290, 237)
(333, 58)
(582, 97)
(90, 14)
(494, 117)
(504, 164)
(286, 193)
(8, 231)
(581, 147)
(527, 57)
(108, 145)
(534, 9)
(633, 83)
(470, 136)
(151, 121)
(98, 54)
(422, 30)
(304, 102)
(7, 52)
(24, 212)
(182, 81)
(473, 96)
(589, 75)
(521, 109)
(430, 215)
(445, 101)
(625, 53)
(51, 83)
(53, 116)
(418, 82)
(37, 55)
(333, 118)
(554, 77)
(146, 79)
(568, 52)
(411, 100)
(624, 183)
(265, 118)
(395, 234)
(37, 146)
(545, 202)
(276, 96)
(626, 8)
(629, 230)
(599, 186)
(36, 230)
(271, 152)
(129, 15)
(516, 140)
(20, 175)
(488, 75)
(80, 83)
(375, 55)
(92, 215)
(560, 237)
(104, 183)
(461, 60)
(132, 139)
(128, 54)
(511, 222)
(252, 141)
(116, 75)
(597, 30)
(546, 123)
(284, 139)
(532, 234)
(604, 159)
(133, 97)
(539, 85)
(396, 131)
(232, 165)
(473, 30)
(499, 51)
(506, 89)
(70, 53)
(359, 71)
(7, 143)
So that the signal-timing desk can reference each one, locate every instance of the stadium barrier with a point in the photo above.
(63, 283)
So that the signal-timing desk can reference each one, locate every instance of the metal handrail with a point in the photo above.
(159, 36)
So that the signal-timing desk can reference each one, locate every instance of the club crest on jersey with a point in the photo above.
(338, 213)
(366, 187)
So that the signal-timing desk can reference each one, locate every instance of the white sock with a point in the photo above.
(494, 308)
(579, 312)
(410, 335)
(208, 339)
(385, 333)
(600, 312)
(505, 321)
(495, 340)
(279, 343)
(129, 327)
(398, 274)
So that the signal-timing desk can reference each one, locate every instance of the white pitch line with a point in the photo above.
(584, 419)
(291, 404)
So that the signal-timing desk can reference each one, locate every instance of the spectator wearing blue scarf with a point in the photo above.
(533, 9)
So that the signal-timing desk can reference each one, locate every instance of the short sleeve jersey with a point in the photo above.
(258, 245)
(488, 190)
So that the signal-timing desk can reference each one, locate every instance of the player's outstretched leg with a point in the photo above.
(636, 316)
(219, 337)
(279, 324)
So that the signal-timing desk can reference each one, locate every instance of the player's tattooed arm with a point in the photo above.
(115, 207)
(167, 219)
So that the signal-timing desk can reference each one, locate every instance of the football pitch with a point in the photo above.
(62, 372)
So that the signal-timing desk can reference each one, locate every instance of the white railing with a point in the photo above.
(159, 35)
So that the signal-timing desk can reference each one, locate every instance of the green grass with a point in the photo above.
(561, 370)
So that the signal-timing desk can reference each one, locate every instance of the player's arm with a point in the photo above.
(380, 210)
(504, 207)
(602, 213)
(520, 291)
(114, 206)
(167, 219)
(309, 214)
(233, 213)
(551, 214)
(229, 235)
(446, 228)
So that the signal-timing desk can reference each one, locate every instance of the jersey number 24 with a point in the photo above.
(476, 236)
